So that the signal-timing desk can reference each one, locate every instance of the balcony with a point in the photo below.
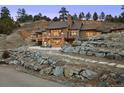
(70, 35)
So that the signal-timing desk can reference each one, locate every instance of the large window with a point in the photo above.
(56, 32)
(44, 33)
(56, 42)
(73, 33)
(91, 34)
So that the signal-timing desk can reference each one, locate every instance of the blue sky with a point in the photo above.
(52, 10)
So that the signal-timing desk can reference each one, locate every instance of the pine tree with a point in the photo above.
(22, 16)
(109, 18)
(95, 16)
(37, 17)
(81, 15)
(75, 17)
(63, 14)
(88, 16)
(56, 19)
(102, 16)
(7, 24)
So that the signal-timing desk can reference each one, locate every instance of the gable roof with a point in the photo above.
(87, 26)
(83, 26)
(58, 24)
(76, 25)
(102, 27)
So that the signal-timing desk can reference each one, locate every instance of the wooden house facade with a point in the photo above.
(55, 34)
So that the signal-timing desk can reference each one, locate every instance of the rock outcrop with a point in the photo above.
(107, 45)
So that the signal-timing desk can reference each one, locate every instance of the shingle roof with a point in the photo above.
(88, 26)
(59, 24)
(76, 25)
(102, 27)
(40, 30)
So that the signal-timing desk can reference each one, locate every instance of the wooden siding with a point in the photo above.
(73, 34)
(117, 30)
(88, 34)
(54, 42)
(53, 37)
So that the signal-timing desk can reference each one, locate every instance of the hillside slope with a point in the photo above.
(11, 41)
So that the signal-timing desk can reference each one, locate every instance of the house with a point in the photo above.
(55, 34)
(117, 28)
(93, 28)
(89, 30)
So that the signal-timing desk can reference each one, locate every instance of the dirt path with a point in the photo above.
(88, 60)
(9, 77)
(55, 53)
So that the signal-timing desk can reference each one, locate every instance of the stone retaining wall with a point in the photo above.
(45, 65)
(112, 48)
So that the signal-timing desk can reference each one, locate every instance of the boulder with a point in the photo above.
(37, 67)
(46, 71)
(51, 61)
(89, 74)
(70, 71)
(39, 60)
(110, 55)
(83, 52)
(68, 50)
(121, 77)
(58, 71)
(6, 54)
(15, 62)
(66, 45)
(90, 53)
(31, 65)
(77, 49)
(79, 77)
(100, 54)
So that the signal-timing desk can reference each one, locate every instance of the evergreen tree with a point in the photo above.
(115, 19)
(81, 15)
(46, 18)
(7, 24)
(5, 13)
(37, 17)
(63, 14)
(109, 18)
(75, 17)
(122, 14)
(95, 16)
(56, 19)
(22, 16)
(88, 16)
(102, 16)
(28, 17)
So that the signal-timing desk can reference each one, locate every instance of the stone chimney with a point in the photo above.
(69, 20)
